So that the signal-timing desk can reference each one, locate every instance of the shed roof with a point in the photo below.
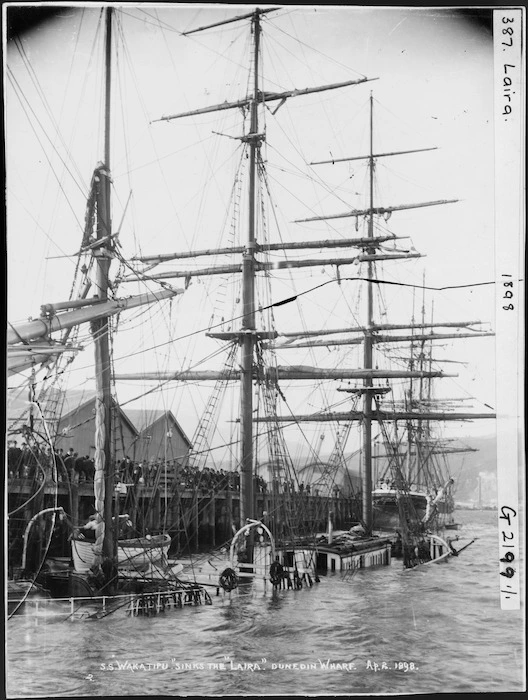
(145, 419)
(83, 405)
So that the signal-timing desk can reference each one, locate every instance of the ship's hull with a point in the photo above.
(292, 564)
(357, 556)
(445, 506)
(386, 513)
(302, 560)
(302, 563)
(136, 554)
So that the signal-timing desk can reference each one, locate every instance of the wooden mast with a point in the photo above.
(248, 301)
(248, 333)
(366, 471)
(250, 265)
(104, 477)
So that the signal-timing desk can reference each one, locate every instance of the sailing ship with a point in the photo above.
(256, 341)
(285, 534)
(417, 450)
(104, 564)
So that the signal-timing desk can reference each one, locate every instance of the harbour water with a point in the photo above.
(381, 631)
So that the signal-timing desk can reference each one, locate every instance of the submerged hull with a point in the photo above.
(301, 563)
(21, 592)
(436, 550)
(356, 556)
(136, 554)
(132, 604)
(296, 563)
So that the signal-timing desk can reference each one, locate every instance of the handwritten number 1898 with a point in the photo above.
(508, 294)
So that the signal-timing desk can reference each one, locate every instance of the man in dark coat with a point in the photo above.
(78, 467)
(89, 468)
(69, 463)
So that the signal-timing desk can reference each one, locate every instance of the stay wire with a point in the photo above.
(302, 43)
(18, 93)
(308, 291)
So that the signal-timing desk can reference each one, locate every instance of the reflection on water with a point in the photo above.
(439, 629)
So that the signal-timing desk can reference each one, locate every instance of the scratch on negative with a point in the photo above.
(396, 27)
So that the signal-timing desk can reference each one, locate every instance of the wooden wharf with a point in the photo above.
(196, 517)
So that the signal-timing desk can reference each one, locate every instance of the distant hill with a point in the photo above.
(465, 469)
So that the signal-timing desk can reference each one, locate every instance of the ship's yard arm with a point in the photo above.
(249, 265)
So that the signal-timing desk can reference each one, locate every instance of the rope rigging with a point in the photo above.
(269, 394)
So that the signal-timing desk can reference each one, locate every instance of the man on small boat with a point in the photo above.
(87, 531)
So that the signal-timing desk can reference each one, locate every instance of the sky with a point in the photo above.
(433, 86)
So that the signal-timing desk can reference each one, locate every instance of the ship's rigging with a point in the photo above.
(258, 366)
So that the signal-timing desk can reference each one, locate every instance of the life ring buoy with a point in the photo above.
(228, 579)
(276, 573)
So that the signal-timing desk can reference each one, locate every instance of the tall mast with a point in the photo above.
(108, 93)
(104, 478)
(409, 401)
(366, 476)
(248, 299)
(422, 457)
(250, 265)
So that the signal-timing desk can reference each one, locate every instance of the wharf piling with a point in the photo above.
(196, 518)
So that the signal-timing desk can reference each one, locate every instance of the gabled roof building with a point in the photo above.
(159, 436)
(77, 429)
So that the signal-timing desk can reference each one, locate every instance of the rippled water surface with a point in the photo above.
(382, 631)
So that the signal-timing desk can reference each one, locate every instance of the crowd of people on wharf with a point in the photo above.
(36, 462)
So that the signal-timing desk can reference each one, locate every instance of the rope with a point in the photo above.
(48, 543)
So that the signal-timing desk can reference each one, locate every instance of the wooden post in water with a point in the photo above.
(74, 495)
(229, 513)
(196, 521)
(175, 519)
(212, 528)
(156, 509)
